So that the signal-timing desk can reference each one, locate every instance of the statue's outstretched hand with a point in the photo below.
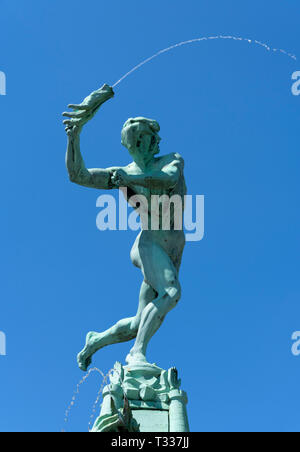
(85, 111)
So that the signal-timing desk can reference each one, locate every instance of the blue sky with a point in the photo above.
(227, 107)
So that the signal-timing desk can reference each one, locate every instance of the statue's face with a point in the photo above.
(147, 144)
(140, 139)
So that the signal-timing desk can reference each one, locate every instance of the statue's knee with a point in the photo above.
(175, 295)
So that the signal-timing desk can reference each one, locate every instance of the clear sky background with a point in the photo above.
(227, 107)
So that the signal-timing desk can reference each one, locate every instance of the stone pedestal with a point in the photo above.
(143, 398)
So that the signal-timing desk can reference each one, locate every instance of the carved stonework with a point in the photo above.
(118, 421)
(137, 392)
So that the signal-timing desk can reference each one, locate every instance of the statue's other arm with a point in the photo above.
(84, 112)
(78, 173)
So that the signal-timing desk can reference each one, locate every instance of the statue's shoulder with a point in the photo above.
(116, 168)
(131, 167)
(173, 158)
(178, 157)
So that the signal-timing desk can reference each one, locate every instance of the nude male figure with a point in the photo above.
(156, 252)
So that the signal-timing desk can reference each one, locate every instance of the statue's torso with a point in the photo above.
(159, 164)
(171, 240)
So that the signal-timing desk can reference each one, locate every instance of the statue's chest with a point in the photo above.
(148, 192)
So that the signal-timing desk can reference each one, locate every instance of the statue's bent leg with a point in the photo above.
(161, 274)
(123, 331)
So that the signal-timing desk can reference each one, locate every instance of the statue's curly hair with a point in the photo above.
(134, 127)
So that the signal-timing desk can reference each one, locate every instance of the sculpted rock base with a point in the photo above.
(143, 399)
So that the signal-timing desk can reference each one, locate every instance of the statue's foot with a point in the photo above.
(137, 362)
(136, 357)
(84, 358)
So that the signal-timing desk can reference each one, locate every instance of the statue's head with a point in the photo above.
(140, 137)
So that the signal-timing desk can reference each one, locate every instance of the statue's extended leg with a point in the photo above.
(159, 272)
(123, 331)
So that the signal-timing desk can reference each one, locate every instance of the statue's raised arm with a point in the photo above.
(81, 114)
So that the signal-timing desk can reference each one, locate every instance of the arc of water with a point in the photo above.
(76, 392)
(204, 38)
(105, 380)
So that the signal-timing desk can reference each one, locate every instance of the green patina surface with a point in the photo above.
(143, 398)
(157, 252)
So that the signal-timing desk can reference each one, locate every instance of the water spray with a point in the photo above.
(205, 38)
